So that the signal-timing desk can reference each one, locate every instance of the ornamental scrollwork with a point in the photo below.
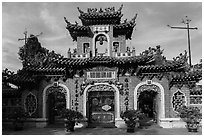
(148, 88)
(30, 103)
(101, 87)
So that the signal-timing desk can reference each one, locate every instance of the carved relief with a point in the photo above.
(148, 88)
(101, 88)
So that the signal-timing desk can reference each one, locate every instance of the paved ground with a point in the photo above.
(152, 130)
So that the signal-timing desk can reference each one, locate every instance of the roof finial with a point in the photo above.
(133, 19)
(66, 20)
(80, 10)
(119, 10)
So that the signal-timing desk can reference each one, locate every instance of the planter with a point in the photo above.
(192, 126)
(130, 129)
(69, 126)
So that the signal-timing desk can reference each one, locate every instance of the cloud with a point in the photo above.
(49, 20)
(151, 27)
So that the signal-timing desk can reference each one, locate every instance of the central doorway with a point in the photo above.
(147, 103)
(56, 103)
(101, 109)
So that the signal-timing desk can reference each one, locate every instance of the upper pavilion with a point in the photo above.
(101, 34)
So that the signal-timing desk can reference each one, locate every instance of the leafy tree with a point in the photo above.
(33, 54)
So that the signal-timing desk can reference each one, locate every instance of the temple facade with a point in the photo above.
(102, 77)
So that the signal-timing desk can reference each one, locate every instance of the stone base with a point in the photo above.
(36, 122)
(172, 123)
(41, 122)
(120, 123)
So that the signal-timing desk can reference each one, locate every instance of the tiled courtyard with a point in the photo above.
(153, 130)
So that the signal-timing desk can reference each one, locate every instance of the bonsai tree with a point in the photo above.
(192, 116)
(71, 117)
(131, 118)
(18, 116)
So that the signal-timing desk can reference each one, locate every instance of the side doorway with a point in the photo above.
(56, 103)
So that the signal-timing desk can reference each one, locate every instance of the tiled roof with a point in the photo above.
(49, 68)
(104, 60)
(189, 76)
(100, 16)
(21, 77)
(166, 67)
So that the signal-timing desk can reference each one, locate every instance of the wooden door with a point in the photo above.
(101, 109)
(57, 103)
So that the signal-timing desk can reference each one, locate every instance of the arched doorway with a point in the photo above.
(55, 104)
(55, 98)
(154, 93)
(101, 105)
(101, 44)
(148, 104)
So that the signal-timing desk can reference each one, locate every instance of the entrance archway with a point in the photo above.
(56, 102)
(149, 86)
(101, 103)
(148, 104)
(49, 97)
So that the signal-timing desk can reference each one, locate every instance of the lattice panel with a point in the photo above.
(30, 104)
(178, 100)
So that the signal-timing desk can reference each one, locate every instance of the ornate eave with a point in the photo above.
(169, 67)
(95, 16)
(188, 76)
(8, 91)
(125, 28)
(76, 30)
(21, 77)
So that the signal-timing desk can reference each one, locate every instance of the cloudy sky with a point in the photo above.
(151, 28)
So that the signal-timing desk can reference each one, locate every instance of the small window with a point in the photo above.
(30, 104)
(101, 75)
(86, 47)
(178, 100)
(116, 46)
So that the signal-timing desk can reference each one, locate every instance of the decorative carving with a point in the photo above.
(126, 91)
(30, 103)
(159, 76)
(178, 100)
(181, 57)
(101, 87)
(76, 94)
(146, 87)
(179, 85)
(152, 51)
(150, 76)
(119, 10)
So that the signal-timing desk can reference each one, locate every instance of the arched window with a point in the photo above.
(178, 100)
(30, 103)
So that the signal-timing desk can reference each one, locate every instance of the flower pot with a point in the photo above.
(130, 129)
(192, 126)
(69, 126)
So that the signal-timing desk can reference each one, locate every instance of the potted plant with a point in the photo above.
(71, 117)
(192, 116)
(18, 116)
(143, 120)
(131, 118)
